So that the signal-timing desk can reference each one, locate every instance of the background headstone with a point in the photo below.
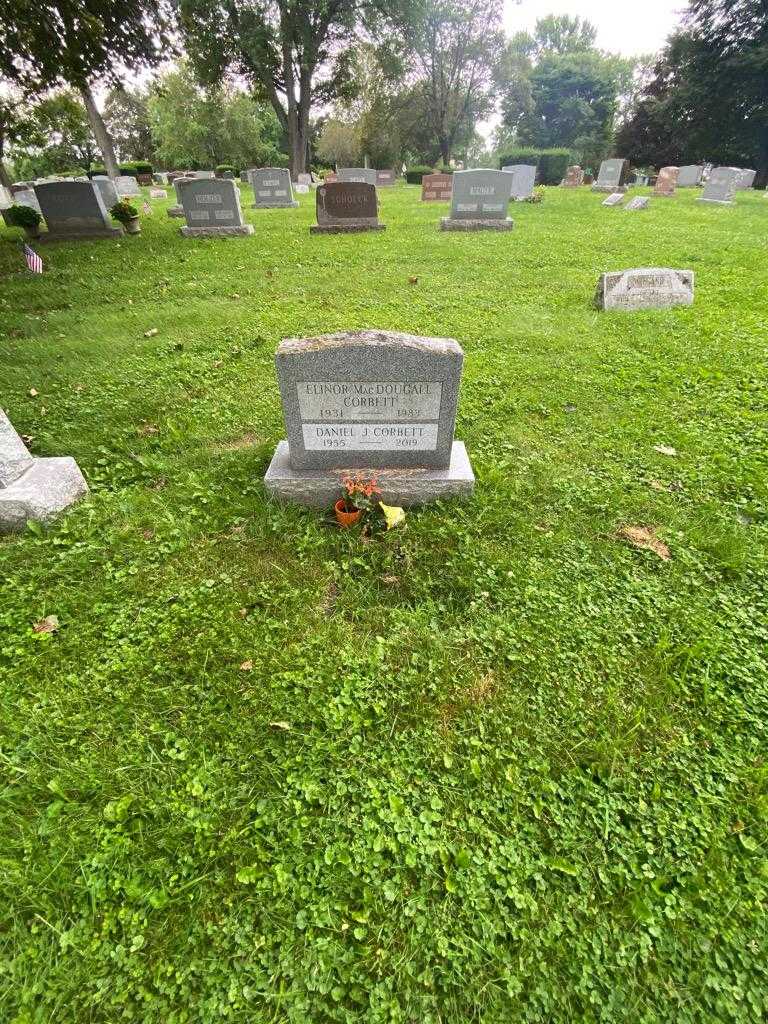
(721, 186)
(158, 193)
(33, 489)
(107, 189)
(574, 177)
(689, 175)
(436, 188)
(523, 180)
(746, 179)
(271, 187)
(479, 200)
(666, 181)
(357, 174)
(613, 200)
(612, 176)
(212, 207)
(127, 186)
(385, 179)
(304, 179)
(74, 209)
(376, 401)
(177, 210)
(204, 175)
(346, 206)
(644, 288)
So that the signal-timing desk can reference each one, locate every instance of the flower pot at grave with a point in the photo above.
(344, 518)
(133, 226)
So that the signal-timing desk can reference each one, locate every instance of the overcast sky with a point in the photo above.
(626, 28)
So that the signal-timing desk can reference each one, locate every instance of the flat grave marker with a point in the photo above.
(644, 288)
(637, 203)
(613, 200)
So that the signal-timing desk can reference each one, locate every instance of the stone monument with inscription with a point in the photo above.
(30, 488)
(375, 402)
(107, 188)
(436, 188)
(479, 201)
(212, 207)
(366, 175)
(612, 176)
(385, 179)
(126, 186)
(344, 207)
(721, 186)
(666, 182)
(523, 180)
(74, 209)
(177, 210)
(689, 175)
(271, 187)
(746, 179)
(644, 288)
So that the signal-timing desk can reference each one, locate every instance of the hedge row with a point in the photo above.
(137, 167)
(414, 174)
(551, 164)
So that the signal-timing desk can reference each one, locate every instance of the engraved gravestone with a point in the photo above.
(126, 186)
(374, 401)
(638, 203)
(666, 181)
(107, 189)
(644, 288)
(523, 180)
(346, 206)
(271, 188)
(721, 186)
(385, 179)
(30, 488)
(212, 207)
(746, 179)
(158, 193)
(613, 200)
(304, 179)
(689, 175)
(479, 201)
(74, 209)
(367, 175)
(574, 177)
(436, 188)
(177, 210)
(612, 176)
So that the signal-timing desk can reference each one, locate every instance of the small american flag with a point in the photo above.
(34, 263)
(147, 208)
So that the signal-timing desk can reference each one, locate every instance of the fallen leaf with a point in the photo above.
(151, 332)
(246, 666)
(393, 515)
(47, 625)
(413, 280)
(280, 725)
(390, 580)
(148, 428)
(147, 534)
(218, 363)
(234, 295)
(33, 392)
(664, 449)
(644, 537)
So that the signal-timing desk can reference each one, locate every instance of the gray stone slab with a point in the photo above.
(614, 199)
(212, 207)
(689, 175)
(612, 176)
(320, 488)
(638, 203)
(127, 186)
(47, 487)
(523, 180)
(644, 288)
(367, 175)
(26, 197)
(344, 207)
(721, 186)
(448, 224)
(369, 399)
(73, 210)
(107, 189)
(746, 179)
(479, 196)
(14, 457)
(271, 187)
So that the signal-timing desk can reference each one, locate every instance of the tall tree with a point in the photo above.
(452, 48)
(127, 117)
(293, 54)
(78, 42)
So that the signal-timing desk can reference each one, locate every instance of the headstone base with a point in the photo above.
(608, 188)
(46, 488)
(237, 229)
(175, 211)
(274, 206)
(447, 224)
(320, 488)
(344, 229)
(73, 236)
(717, 202)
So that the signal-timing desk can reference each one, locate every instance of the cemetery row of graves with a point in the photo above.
(499, 759)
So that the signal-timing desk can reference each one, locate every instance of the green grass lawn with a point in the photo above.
(524, 776)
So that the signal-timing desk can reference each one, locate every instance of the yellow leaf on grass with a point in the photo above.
(246, 666)
(644, 537)
(393, 514)
(47, 625)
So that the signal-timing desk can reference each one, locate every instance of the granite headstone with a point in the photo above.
(574, 177)
(746, 179)
(211, 208)
(689, 175)
(666, 181)
(127, 186)
(271, 187)
(346, 206)
(357, 174)
(637, 203)
(436, 188)
(74, 209)
(644, 288)
(479, 200)
(523, 180)
(612, 176)
(721, 186)
(177, 210)
(385, 179)
(372, 401)
(107, 189)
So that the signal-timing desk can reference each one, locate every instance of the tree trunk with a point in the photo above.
(445, 152)
(4, 177)
(100, 132)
